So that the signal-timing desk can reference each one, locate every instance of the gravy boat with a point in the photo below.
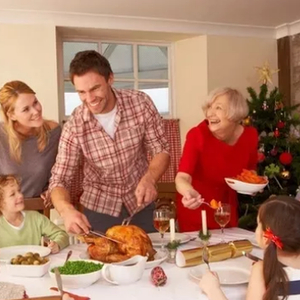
(125, 272)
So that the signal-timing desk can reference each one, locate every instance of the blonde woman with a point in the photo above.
(218, 147)
(28, 143)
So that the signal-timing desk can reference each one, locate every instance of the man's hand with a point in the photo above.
(146, 191)
(75, 221)
(192, 199)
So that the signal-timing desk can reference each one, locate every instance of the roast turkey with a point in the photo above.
(134, 241)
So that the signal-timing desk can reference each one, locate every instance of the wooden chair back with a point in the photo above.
(37, 204)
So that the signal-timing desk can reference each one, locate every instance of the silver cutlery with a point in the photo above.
(68, 256)
(101, 234)
(127, 220)
(58, 281)
(205, 256)
(251, 256)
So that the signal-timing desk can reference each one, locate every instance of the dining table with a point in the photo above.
(179, 286)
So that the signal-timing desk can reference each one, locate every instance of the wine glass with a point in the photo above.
(161, 222)
(222, 216)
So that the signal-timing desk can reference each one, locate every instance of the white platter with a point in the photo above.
(8, 253)
(159, 257)
(157, 241)
(244, 187)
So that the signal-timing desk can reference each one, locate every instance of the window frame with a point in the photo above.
(135, 80)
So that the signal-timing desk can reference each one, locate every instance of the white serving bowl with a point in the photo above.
(77, 281)
(27, 270)
(244, 187)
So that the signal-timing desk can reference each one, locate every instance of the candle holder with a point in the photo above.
(204, 237)
(172, 247)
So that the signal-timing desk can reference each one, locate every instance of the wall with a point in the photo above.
(190, 81)
(28, 53)
(232, 61)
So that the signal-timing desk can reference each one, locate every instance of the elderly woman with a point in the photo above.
(218, 147)
(28, 143)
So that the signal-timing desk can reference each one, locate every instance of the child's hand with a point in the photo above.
(53, 247)
(209, 282)
(67, 297)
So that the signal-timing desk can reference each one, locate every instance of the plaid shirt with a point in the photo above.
(112, 167)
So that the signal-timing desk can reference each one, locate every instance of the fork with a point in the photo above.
(205, 256)
(127, 220)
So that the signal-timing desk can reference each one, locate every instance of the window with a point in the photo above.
(135, 66)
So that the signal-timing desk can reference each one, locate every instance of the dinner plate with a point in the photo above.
(156, 240)
(159, 257)
(7, 253)
(228, 275)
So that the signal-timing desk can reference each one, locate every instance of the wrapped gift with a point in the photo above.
(218, 252)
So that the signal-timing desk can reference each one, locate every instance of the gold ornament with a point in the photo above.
(247, 121)
(265, 73)
(285, 174)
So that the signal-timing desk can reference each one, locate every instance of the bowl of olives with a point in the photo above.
(28, 265)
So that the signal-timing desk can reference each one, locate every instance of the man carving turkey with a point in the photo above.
(112, 129)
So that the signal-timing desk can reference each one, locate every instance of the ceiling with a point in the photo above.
(265, 13)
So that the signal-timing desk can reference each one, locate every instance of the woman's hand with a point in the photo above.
(210, 284)
(192, 199)
(53, 246)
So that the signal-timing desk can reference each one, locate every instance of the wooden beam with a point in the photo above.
(284, 64)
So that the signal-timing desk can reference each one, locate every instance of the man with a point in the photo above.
(112, 129)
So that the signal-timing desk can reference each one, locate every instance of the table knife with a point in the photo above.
(101, 234)
(58, 281)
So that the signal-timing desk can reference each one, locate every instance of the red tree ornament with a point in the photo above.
(280, 124)
(274, 151)
(260, 157)
(158, 276)
(286, 158)
(276, 133)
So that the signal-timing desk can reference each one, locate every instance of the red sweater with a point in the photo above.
(208, 161)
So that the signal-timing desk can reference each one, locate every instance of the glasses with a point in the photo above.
(161, 222)
(222, 216)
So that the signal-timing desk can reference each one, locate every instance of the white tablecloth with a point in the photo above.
(179, 285)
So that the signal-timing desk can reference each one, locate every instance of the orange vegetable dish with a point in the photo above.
(214, 204)
(250, 176)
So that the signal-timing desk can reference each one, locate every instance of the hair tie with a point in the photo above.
(273, 238)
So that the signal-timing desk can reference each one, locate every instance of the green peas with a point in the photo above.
(78, 267)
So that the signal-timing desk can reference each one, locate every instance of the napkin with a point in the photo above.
(75, 297)
(12, 291)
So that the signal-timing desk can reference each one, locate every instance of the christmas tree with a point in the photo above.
(279, 145)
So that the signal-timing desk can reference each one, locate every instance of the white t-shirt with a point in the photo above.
(293, 275)
(108, 121)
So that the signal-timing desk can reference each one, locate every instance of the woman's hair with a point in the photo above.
(281, 214)
(8, 96)
(5, 180)
(237, 105)
(90, 60)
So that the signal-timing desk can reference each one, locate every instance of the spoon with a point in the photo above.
(68, 256)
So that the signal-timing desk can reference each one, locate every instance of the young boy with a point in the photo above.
(19, 227)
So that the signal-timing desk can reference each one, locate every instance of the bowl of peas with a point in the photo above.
(77, 274)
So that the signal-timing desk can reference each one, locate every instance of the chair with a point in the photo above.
(37, 204)
(167, 197)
